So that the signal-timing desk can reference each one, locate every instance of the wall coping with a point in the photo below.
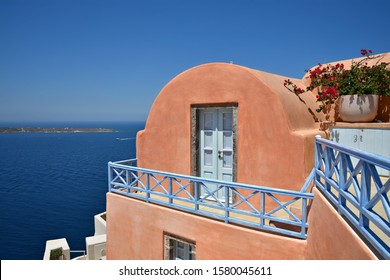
(373, 125)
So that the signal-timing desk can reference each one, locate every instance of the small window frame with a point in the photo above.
(171, 248)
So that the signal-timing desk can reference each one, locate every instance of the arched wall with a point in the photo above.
(275, 131)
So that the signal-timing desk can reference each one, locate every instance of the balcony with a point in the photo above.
(353, 187)
(274, 210)
(350, 180)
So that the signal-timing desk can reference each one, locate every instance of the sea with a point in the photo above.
(52, 184)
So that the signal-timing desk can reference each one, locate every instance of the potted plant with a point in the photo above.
(355, 88)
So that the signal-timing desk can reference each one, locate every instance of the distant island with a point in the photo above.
(52, 130)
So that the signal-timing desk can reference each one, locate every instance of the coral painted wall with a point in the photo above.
(330, 237)
(135, 231)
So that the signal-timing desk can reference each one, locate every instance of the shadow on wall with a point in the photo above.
(384, 109)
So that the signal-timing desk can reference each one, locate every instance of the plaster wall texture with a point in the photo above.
(275, 146)
(330, 237)
(274, 129)
(135, 230)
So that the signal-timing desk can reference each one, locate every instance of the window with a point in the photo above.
(177, 248)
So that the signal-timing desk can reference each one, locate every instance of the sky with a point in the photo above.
(107, 60)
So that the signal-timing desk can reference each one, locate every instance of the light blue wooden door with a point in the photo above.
(216, 147)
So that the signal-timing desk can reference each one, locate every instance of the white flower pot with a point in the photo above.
(358, 108)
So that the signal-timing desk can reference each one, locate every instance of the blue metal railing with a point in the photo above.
(356, 190)
(253, 206)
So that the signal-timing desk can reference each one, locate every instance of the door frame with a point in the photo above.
(195, 135)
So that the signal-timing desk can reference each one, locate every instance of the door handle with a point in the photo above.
(220, 154)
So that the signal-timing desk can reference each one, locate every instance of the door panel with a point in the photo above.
(216, 147)
(208, 144)
(225, 144)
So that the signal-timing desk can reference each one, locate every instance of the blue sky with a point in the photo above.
(95, 60)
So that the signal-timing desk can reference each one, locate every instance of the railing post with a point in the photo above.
(304, 217)
(316, 152)
(227, 204)
(364, 195)
(262, 208)
(328, 163)
(147, 187)
(170, 190)
(317, 158)
(109, 176)
(127, 181)
(343, 178)
(196, 195)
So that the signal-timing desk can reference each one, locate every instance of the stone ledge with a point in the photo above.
(372, 125)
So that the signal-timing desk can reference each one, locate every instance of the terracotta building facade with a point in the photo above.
(226, 122)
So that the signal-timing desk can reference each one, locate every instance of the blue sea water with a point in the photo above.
(52, 184)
